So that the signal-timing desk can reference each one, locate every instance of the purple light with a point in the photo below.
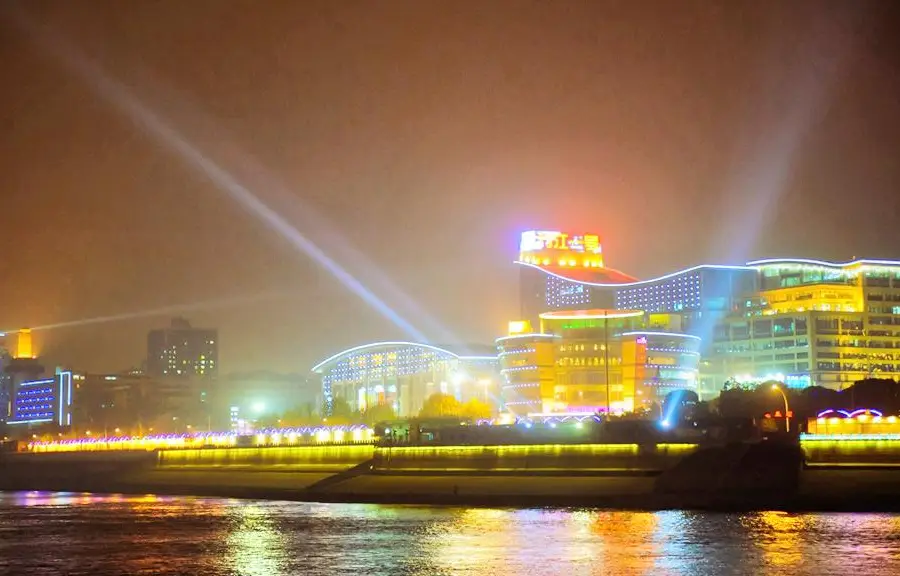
(845, 414)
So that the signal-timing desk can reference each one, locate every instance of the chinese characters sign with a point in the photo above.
(540, 240)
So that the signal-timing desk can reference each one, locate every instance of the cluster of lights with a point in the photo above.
(517, 369)
(267, 437)
(320, 435)
(562, 293)
(672, 295)
(848, 437)
(675, 350)
(513, 351)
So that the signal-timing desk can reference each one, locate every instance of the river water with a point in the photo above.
(63, 533)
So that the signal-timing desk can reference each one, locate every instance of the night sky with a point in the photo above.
(413, 141)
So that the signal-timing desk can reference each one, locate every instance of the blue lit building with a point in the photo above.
(403, 374)
(42, 401)
(691, 293)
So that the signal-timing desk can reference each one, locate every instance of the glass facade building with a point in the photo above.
(404, 374)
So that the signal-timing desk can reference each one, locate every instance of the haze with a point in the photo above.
(426, 136)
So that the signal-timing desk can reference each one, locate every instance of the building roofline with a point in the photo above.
(318, 367)
(638, 282)
(530, 335)
(823, 263)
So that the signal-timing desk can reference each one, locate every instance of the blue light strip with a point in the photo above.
(36, 382)
(639, 282)
(823, 263)
(59, 414)
(11, 422)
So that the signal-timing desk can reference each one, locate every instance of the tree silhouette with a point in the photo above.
(438, 405)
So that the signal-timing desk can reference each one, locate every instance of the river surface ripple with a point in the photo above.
(63, 533)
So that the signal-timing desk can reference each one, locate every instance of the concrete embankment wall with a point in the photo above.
(560, 459)
(764, 476)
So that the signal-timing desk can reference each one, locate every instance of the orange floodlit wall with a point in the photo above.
(24, 347)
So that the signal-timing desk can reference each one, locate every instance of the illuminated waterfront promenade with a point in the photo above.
(310, 435)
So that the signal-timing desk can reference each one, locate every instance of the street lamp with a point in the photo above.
(787, 418)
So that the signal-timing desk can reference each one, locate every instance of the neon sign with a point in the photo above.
(540, 240)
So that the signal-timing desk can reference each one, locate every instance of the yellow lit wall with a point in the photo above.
(581, 356)
(517, 327)
(816, 297)
(527, 364)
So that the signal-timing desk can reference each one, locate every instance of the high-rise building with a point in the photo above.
(182, 351)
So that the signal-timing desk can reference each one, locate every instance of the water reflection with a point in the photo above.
(778, 535)
(153, 535)
(542, 541)
(255, 546)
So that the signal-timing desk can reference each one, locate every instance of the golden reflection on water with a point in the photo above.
(254, 547)
(777, 535)
(584, 542)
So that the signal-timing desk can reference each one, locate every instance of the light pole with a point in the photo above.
(787, 418)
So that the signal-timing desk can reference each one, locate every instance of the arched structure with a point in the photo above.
(404, 374)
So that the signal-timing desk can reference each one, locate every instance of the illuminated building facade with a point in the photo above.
(182, 351)
(700, 296)
(814, 323)
(528, 368)
(562, 271)
(589, 361)
(43, 401)
(404, 374)
(803, 322)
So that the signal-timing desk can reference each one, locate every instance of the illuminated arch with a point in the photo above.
(388, 344)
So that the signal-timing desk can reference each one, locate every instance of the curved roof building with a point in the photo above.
(404, 374)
